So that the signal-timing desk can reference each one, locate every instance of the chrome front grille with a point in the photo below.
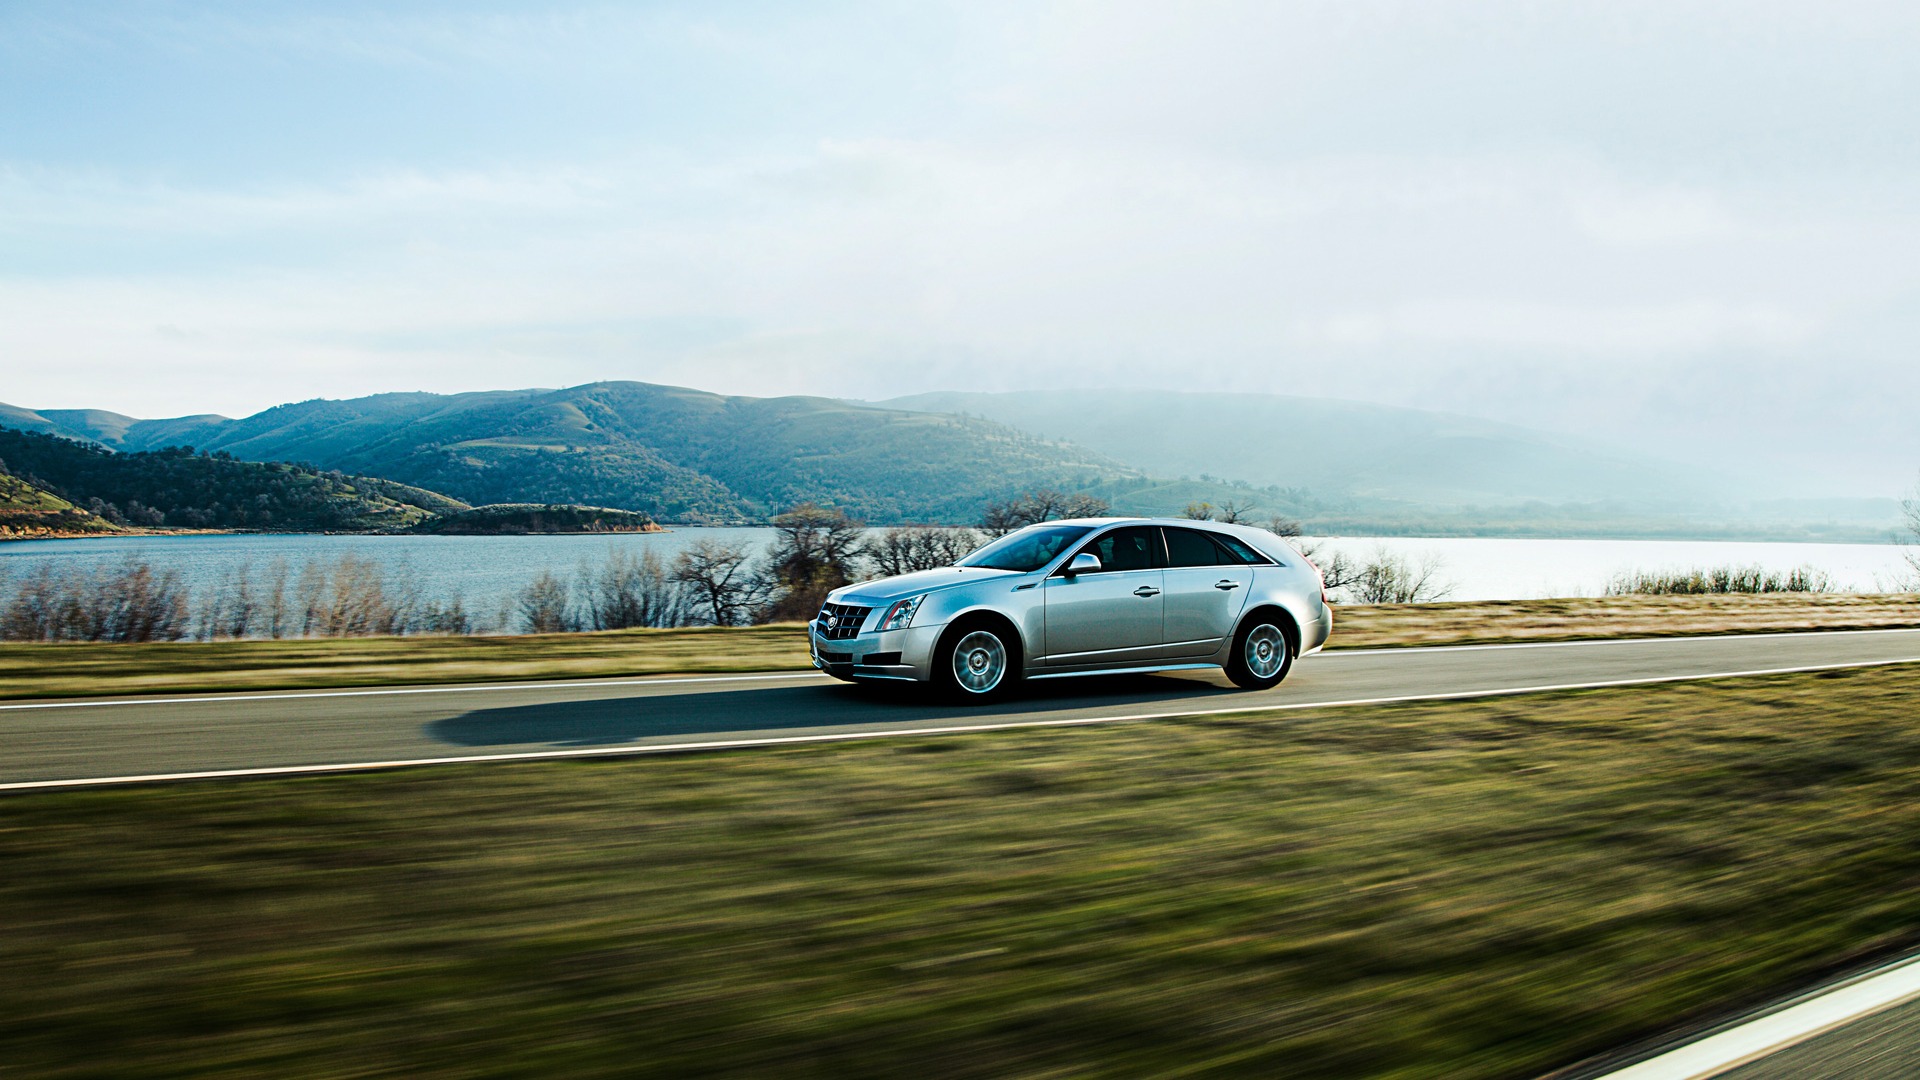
(838, 622)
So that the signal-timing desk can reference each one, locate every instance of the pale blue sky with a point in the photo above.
(1689, 224)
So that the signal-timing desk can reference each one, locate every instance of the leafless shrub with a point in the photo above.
(448, 618)
(722, 586)
(1719, 580)
(275, 618)
(130, 603)
(1385, 578)
(1910, 581)
(355, 598)
(914, 548)
(1337, 571)
(546, 605)
(625, 591)
(1198, 511)
(232, 606)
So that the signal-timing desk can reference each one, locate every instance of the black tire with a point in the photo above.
(1262, 652)
(976, 663)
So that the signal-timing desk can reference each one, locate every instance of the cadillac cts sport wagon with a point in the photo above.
(1083, 597)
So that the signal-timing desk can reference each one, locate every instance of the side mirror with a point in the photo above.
(1084, 563)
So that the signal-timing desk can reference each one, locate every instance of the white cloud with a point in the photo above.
(1544, 214)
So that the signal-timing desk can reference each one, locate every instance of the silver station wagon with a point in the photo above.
(1083, 597)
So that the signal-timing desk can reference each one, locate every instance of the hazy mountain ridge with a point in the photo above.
(1334, 448)
(679, 454)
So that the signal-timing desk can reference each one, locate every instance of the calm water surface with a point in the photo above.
(488, 571)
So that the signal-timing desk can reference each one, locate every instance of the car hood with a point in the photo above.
(887, 590)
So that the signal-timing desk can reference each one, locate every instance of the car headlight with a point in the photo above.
(900, 615)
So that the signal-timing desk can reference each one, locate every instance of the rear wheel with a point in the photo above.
(976, 663)
(1262, 654)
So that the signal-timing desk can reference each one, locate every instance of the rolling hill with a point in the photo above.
(673, 453)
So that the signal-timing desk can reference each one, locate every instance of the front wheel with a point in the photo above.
(975, 664)
(1261, 655)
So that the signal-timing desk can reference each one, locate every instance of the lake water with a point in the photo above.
(487, 572)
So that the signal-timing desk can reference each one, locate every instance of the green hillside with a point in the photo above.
(181, 488)
(525, 519)
(669, 452)
(27, 511)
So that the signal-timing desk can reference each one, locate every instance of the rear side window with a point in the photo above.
(1191, 547)
(1185, 547)
(1241, 551)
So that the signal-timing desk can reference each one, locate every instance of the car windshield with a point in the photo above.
(1027, 550)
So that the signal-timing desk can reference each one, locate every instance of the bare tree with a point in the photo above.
(720, 579)
(812, 554)
(1393, 579)
(917, 547)
(626, 591)
(1001, 518)
(546, 605)
(1911, 506)
(1198, 511)
(1236, 511)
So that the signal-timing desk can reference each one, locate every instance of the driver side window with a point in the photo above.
(1133, 548)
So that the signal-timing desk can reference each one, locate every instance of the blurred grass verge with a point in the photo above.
(99, 670)
(1467, 889)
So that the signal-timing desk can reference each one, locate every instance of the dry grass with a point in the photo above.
(74, 670)
(1459, 890)
(68, 670)
(1386, 625)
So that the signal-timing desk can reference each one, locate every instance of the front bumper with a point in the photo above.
(891, 654)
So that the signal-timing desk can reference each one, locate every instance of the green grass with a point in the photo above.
(1459, 890)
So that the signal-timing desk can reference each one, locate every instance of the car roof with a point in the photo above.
(1182, 522)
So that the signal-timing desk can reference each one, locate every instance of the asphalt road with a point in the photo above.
(68, 741)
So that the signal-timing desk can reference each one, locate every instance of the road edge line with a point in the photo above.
(1755, 1039)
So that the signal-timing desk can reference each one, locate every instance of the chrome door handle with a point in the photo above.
(1228, 585)
(1146, 590)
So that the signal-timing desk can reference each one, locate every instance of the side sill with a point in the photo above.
(1123, 671)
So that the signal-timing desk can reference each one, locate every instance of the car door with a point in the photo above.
(1206, 585)
(1113, 615)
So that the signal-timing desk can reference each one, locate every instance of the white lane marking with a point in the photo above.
(1672, 639)
(295, 695)
(1776, 1031)
(479, 688)
(953, 729)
